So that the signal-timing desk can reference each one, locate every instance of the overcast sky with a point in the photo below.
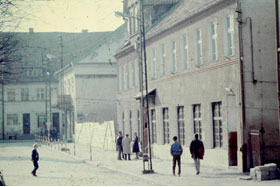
(70, 15)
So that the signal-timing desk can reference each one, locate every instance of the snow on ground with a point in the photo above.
(60, 168)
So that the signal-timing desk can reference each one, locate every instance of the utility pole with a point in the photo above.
(146, 112)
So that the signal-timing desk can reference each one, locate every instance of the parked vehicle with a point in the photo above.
(2, 182)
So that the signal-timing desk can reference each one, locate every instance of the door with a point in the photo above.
(56, 121)
(255, 141)
(232, 143)
(26, 123)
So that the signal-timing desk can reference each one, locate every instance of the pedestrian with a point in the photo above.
(119, 146)
(135, 148)
(176, 151)
(197, 152)
(35, 159)
(126, 147)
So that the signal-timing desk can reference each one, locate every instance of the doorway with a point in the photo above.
(26, 123)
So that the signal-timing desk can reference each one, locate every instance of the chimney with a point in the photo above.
(31, 30)
(84, 31)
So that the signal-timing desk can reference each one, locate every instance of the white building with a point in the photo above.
(212, 71)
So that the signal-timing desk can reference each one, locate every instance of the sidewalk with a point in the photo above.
(163, 169)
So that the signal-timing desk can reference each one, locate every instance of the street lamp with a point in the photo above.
(143, 61)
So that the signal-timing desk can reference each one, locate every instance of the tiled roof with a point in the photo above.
(180, 12)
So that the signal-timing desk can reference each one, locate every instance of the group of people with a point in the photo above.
(196, 150)
(124, 146)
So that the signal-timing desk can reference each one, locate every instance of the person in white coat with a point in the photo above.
(126, 147)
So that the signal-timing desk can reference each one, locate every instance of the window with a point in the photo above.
(136, 68)
(185, 53)
(41, 121)
(199, 58)
(24, 94)
(40, 94)
(217, 124)
(181, 125)
(229, 35)
(154, 127)
(197, 120)
(136, 20)
(126, 77)
(165, 126)
(130, 124)
(213, 41)
(120, 78)
(12, 119)
(11, 94)
(131, 75)
(163, 59)
(123, 123)
(153, 67)
(173, 55)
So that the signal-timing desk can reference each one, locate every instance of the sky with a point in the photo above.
(69, 15)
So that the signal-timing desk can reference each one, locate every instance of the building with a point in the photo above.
(91, 83)
(211, 71)
(31, 95)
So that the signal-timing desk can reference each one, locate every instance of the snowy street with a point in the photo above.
(60, 168)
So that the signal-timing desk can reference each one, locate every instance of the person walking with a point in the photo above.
(197, 152)
(35, 159)
(119, 146)
(126, 147)
(176, 151)
(135, 148)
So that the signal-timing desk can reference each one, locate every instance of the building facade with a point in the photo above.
(202, 79)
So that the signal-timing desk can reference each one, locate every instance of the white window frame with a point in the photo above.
(163, 59)
(185, 52)
(136, 71)
(12, 119)
(229, 35)
(11, 94)
(198, 44)
(24, 94)
(153, 65)
(173, 57)
(213, 40)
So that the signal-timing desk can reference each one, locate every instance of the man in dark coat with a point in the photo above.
(35, 158)
(176, 151)
(119, 145)
(197, 152)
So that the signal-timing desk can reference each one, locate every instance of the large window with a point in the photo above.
(12, 119)
(181, 125)
(125, 78)
(229, 35)
(40, 94)
(24, 92)
(173, 57)
(123, 124)
(154, 127)
(11, 94)
(165, 126)
(213, 41)
(185, 53)
(197, 120)
(136, 71)
(130, 124)
(199, 58)
(217, 124)
(120, 78)
(41, 121)
(131, 75)
(163, 59)
(153, 65)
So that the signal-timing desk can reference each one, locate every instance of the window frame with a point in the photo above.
(197, 120)
(217, 109)
(166, 130)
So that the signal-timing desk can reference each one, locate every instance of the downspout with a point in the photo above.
(243, 148)
(277, 56)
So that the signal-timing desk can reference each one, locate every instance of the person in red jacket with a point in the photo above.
(197, 152)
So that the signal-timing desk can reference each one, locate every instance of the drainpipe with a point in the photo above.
(243, 119)
(278, 55)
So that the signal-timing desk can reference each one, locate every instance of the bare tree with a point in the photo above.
(10, 18)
